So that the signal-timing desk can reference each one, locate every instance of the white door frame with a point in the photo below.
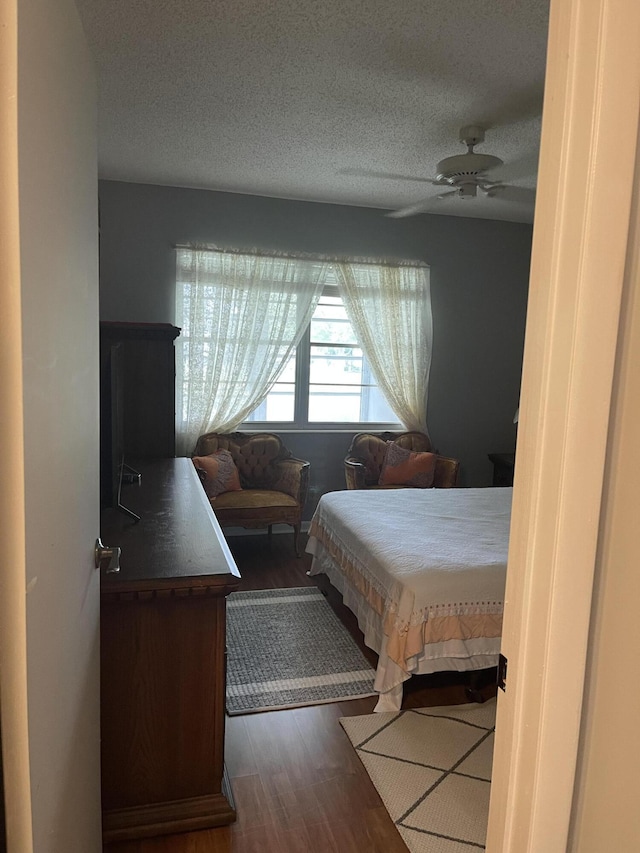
(13, 631)
(588, 148)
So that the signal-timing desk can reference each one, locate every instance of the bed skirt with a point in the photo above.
(453, 655)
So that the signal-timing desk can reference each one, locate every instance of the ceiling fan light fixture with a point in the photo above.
(468, 190)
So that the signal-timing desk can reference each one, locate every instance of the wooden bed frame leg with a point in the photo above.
(478, 681)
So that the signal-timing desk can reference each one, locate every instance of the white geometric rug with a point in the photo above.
(432, 769)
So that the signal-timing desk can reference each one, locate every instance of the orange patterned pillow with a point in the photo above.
(403, 467)
(221, 474)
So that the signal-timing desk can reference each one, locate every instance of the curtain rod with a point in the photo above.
(303, 256)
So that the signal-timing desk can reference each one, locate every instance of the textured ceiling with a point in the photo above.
(279, 97)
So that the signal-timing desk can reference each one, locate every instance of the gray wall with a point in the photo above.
(479, 283)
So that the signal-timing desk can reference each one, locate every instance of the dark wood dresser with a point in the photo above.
(163, 658)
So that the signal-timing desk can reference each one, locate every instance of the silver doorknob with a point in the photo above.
(104, 553)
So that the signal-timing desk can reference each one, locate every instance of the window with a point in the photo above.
(327, 381)
(245, 314)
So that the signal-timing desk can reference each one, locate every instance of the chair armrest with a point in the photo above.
(355, 472)
(292, 478)
(202, 474)
(446, 473)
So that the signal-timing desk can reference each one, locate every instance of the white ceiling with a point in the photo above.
(278, 97)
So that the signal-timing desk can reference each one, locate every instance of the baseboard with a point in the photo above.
(148, 821)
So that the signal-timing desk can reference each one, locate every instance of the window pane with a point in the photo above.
(334, 404)
(332, 331)
(374, 407)
(342, 388)
(336, 366)
(289, 371)
(330, 312)
(348, 404)
(279, 404)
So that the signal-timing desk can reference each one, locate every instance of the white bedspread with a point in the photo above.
(430, 562)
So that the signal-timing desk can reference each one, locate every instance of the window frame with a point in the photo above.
(300, 422)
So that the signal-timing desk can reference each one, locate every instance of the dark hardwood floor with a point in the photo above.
(298, 785)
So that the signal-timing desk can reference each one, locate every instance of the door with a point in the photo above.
(49, 489)
(578, 268)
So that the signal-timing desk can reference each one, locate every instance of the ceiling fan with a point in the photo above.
(462, 174)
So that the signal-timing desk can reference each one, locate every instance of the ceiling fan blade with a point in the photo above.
(368, 173)
(521, 195)
(411, 210)
(522, 167)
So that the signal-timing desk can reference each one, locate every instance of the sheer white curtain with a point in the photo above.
(241, 316)
(390, 309)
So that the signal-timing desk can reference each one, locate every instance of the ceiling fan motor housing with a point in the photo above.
(463, 174)
(461, 166)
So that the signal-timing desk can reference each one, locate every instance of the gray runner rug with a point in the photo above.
(432, 769)
(287, 648)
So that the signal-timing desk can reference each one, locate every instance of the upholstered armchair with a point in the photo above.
(366, 455)
(273, 483)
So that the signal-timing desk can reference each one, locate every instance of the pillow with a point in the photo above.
(221, 474)
(402, 467)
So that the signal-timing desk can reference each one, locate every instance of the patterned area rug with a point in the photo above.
(432, 769)
(287, 648)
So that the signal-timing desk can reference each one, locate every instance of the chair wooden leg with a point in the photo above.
(270, 533)
(296, 533)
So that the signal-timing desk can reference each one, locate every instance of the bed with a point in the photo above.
(424, 572)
